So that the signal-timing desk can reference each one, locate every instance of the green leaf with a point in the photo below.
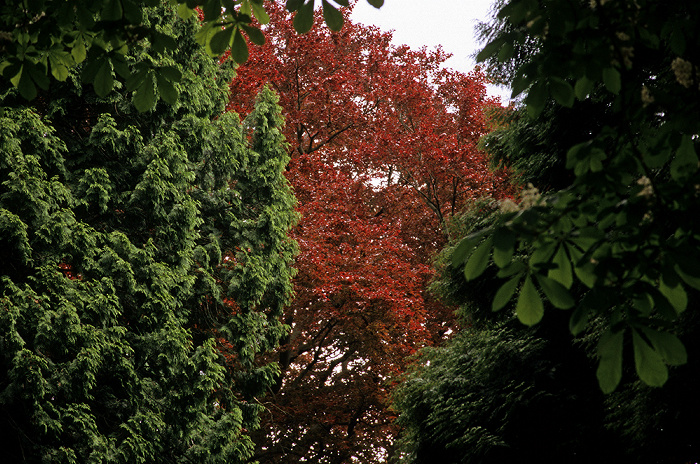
(576, 154)
(675, 295)
(120, 66)
(562, 273)
(478, 261)
(376, 3)
(79, 52)
(663, 307)
(505, 293)
(503, 247)
(38, 74)
(529, 308)
(133, 12)
(103, 79)
(506, 52)
(562, 92)
(166, 89)
(136, 80)
(465, 247)
(519, 84)
(260, 13)
(171, 73)
(579, 319)
(304, 18)
(58, 70)
(650, 366)
(555, 292)
(685, 163)
(112, 10)
(294, 5)
(583, 88)
(542, 253)
(643, 303)
(212, 10)
(145, 97)
(688, 279)
(239, 49)
(221, 41)
(184, 11)
(162, 42)
(490, 49)
(668, 346)
(536, 99)
(333, 17)
(24, 84)
(585, 271)
(254, 34)
(612, 80)
(609, 370)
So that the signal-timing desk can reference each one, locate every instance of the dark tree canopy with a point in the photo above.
(624, 228)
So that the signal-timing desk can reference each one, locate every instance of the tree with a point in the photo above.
(137, 250)
(493, 391)
(624, 228)
(40, 41)
(383, 145)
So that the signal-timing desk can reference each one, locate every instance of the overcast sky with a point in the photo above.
(417, 23)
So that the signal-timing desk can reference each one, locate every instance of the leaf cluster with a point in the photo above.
(622, 230)
(42, 40)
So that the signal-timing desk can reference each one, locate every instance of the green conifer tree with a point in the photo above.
(145, 262)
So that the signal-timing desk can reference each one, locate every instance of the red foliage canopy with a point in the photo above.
(384, 152)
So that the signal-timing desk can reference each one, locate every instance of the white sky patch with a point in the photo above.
(448, 23)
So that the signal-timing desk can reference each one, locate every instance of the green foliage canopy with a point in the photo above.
(625, 229)
(41, 40)
(145, 265)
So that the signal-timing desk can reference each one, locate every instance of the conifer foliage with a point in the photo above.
(145, 264)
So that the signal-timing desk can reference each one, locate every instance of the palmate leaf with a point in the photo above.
(459, 255)
(260, 13)
(562, 272)
(104, 81)
(304, 17)
(221, 40)
(649, 364)
(676, 295)
(166, 89)
(505, 293)
(239, 48)
(609, 370)
(254, 34)
(612, 80)
(669, 347)
(536, 99)
(490, 49)
(333, 17)
(478, 261)
(685, 163)
(503, 247)
(583, 88)
(529, 308)
(579, 319)
(562, 91)
(145, 96)
(556, 293)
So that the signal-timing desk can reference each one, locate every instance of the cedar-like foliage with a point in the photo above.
(145, 262)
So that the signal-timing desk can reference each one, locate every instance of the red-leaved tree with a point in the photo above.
(384, 152)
